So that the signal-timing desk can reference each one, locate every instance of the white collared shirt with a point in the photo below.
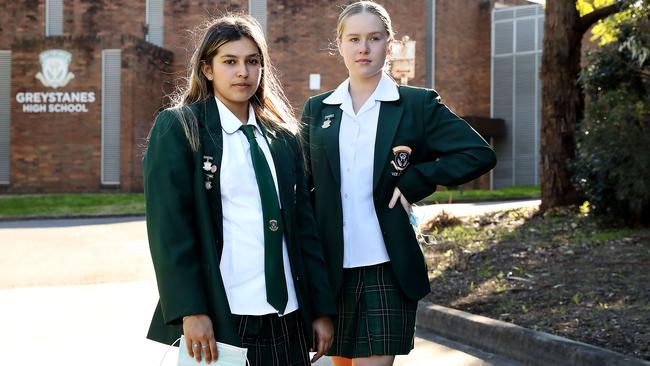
(363, 243)
(242, 259)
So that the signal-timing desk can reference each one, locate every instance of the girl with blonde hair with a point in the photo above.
(373, 148)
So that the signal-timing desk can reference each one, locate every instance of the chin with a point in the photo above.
(364, 74)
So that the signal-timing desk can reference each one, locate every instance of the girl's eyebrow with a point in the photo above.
(235, 56)
(357, 35)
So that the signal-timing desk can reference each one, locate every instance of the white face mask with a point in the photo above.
(227, 355)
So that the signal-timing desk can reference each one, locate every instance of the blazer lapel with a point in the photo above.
(330, 125)
(390, 115)
(212, 147)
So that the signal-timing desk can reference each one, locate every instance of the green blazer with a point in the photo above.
(184, 225)
(444, 150)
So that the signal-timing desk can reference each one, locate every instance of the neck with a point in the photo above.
(240, 110)
(362, 88)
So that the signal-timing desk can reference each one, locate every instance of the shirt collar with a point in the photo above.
(386, 91)
(230, 123)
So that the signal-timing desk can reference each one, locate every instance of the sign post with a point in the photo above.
(403, 60)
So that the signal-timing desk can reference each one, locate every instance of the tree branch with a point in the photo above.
(590, 19)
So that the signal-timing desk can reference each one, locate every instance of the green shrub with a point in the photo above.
(613, 145)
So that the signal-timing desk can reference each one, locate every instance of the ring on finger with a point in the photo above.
(204, 346)
(195, 345)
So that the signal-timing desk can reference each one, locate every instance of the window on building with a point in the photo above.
(516, 93)
(155, 17)
(53, 18)
(5, 115)
(257, 9)
(111, 68)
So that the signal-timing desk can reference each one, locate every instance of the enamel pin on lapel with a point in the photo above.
(401, 159)
(327, 121)
(208, 167)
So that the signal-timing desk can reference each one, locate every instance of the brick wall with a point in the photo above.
(144, 81)
(181, 20)
(61, 152)
(463, 56)
(302, 37)
(21, 19)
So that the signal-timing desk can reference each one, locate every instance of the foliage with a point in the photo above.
(613, 144)
(607, 30)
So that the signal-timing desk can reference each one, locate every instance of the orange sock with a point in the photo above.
(341, 361)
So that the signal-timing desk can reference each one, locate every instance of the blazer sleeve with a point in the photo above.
(168, 173)
(462, 154)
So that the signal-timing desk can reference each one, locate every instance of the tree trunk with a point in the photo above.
(562, 104)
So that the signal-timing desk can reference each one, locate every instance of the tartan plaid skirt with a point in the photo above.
(273, 340)
(374, 316)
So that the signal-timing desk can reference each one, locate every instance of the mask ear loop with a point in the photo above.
(179, 339)
(167, 351)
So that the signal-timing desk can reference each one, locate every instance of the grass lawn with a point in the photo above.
(475, 195)
(70, 204)
(89, 204)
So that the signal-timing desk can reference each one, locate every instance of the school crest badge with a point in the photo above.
(401, 159)
(54, 73)
(273, 225)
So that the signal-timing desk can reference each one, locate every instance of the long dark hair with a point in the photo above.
(269, 102)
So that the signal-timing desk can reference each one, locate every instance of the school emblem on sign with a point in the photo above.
(401, 158)
(54, 73)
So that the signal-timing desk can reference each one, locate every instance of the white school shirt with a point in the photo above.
(363, 243)
(242, 259)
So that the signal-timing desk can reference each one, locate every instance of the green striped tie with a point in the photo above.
(276, 284)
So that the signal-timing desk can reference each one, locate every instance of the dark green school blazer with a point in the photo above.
(184, 225)
(419, 144)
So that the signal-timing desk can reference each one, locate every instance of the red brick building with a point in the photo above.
(76, 119)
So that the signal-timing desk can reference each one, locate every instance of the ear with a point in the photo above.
(206, 68)
(338, 46)
(389, 48)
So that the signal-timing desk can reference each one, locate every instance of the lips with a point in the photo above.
(242, 85)
(363, 61)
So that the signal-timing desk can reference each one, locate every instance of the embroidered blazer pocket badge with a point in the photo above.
(401, 159)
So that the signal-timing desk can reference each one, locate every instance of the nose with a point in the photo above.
(242, 70)
(364, 47)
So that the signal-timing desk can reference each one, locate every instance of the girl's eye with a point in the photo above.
(375, 38)
(230, 62)
(253, 61)
(354, 39)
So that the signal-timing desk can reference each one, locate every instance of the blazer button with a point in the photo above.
(297, 278)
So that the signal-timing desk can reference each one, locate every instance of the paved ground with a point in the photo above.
(78, 292)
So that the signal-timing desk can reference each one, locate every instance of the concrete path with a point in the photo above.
(79, 292)
(469, 209)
